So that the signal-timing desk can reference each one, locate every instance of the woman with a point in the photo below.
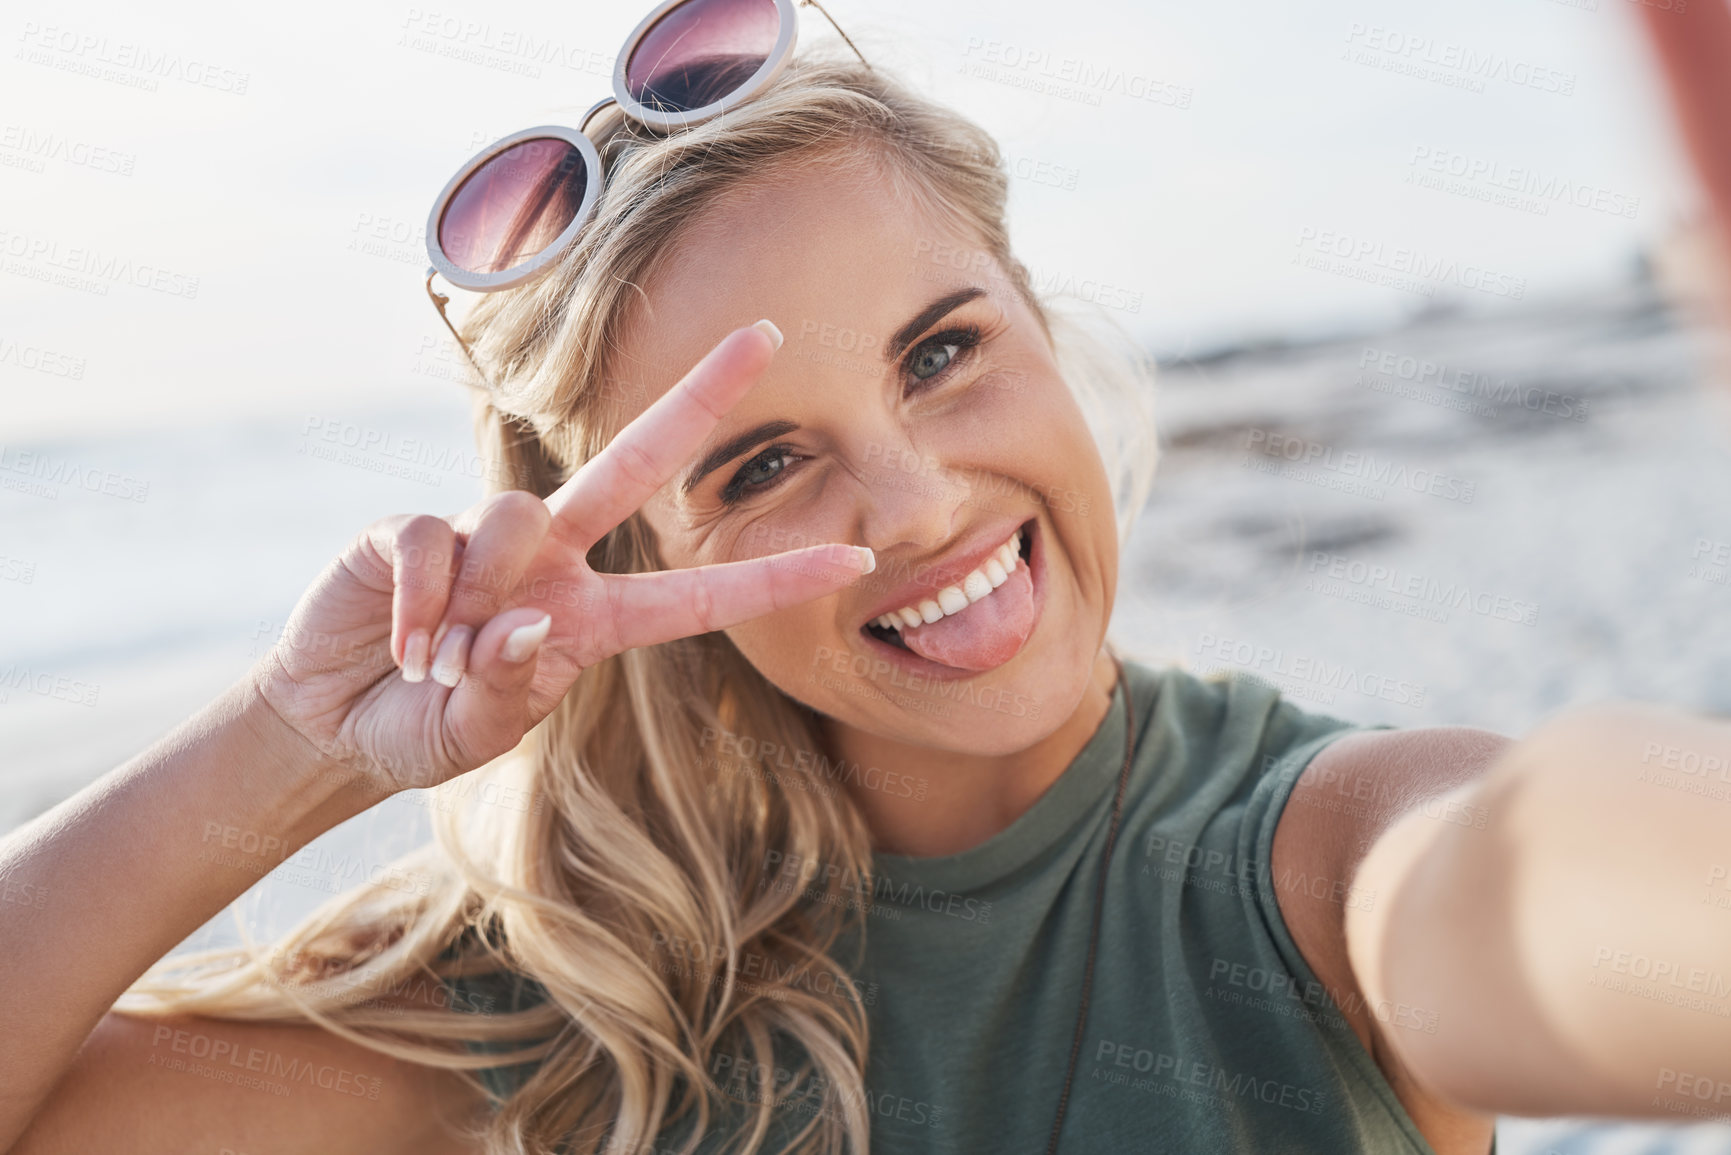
(782, 845)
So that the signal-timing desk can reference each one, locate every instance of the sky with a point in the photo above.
(217, 211)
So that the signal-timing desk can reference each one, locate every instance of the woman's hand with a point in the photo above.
(503, 604)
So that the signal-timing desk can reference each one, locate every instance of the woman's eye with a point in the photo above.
(940, 352)
(757, 473)
(761, 469)
(932, 360)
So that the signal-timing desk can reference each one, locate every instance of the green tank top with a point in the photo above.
(1207, 1030)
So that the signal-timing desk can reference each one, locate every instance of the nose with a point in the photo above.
(911, 499)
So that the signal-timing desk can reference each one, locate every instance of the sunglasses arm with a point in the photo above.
(839, 32)
(440, 300)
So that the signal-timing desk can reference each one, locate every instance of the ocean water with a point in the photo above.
(1473, 519)
(1466, 520)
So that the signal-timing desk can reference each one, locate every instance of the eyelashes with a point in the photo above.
(963, 339)
(750, 478)
(742, 481)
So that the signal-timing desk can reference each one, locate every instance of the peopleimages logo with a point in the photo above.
(1303, 669)
(38, 147)
(1472, 384)
(502, 48)
(1069, 77)
(1365, 469)
(1160, 1070)
(88, 269)
(49, 471)
(797, 871)
(1457, 65)
(121, 61)
(1373, 257)
(41, 360)
(1518, 179)
(1331, 570)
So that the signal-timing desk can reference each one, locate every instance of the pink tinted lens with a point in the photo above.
(513, 206)
(701, 51)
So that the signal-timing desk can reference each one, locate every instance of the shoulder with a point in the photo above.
(1255, 811)
(1345, 797)
(1355, 787)
(1219, 747)
(1223, 721)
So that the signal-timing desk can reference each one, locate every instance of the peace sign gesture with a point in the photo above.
(502, 602)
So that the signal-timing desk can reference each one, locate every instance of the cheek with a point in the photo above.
(1038, 433)
(1027, 396)
(790, 642)
(687, 539)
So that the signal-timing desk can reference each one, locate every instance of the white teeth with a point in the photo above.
(993, 572)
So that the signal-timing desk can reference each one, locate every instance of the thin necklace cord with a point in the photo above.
(1099, 904)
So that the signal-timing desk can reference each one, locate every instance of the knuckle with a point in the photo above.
(703, 603)
(386, 527)
(701, 401)
(601, 638)
(365, 559)
(519, 505)
(636, 463)
(484, 583)
(423, 564)
(423, 528)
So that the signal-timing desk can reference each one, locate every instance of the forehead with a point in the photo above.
(832, 252)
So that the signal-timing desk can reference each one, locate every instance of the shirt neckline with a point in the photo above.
(1079, 788)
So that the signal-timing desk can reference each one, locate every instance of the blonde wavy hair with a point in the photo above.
(638, 829)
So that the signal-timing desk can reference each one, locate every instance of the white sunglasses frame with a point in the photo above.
(656, 119)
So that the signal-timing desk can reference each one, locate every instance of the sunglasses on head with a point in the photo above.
(513, 207)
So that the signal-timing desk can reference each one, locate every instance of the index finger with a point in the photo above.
(608, 487)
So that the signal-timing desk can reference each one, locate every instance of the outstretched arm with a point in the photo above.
(1576, 948)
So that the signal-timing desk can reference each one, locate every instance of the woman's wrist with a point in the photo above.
(297, 789)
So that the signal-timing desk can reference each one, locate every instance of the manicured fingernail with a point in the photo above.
(415, 657)
(769, 330)
(522, 642)
(868, 559)
(453, 656)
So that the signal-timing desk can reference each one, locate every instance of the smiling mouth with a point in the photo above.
(891, 635)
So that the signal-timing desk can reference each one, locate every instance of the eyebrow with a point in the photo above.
(751, 438)
(733, 447)
(905, 335)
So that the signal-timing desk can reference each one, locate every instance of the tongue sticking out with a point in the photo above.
(986, 634)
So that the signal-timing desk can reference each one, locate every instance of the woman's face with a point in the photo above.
(915, 407)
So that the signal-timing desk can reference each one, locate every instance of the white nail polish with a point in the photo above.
(453, 657)
(415, 657)
(769, 330)
(521, 642)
